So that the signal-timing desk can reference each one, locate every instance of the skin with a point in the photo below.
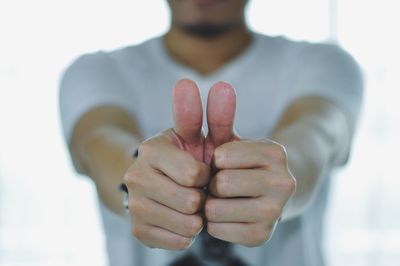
(203, 54)
(251, 183)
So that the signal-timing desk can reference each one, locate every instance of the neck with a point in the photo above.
(206, 55)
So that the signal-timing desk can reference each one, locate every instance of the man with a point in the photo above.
(256, 198)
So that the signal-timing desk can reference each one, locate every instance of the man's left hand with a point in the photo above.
(249, 191)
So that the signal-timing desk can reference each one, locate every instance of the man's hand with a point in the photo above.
(249, 191)
(165, 183)
(252, 183)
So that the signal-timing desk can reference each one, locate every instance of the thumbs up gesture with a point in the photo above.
(249, 185)
(188, 115)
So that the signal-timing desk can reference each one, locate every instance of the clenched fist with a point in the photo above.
(249, 191)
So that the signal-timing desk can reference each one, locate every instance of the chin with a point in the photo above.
(210, 12)
(206, 30)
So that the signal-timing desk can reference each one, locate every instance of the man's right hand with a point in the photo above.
(166, 181)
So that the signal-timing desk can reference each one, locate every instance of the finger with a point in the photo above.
(221, 107)
(230, 183)
(250, 154)
(175, 163)
(153, 213)
(182, 199)
(156, 237)
(187, 110)
(243, 210)
(248, 234)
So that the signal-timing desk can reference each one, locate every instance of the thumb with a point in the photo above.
(221, 107)
(188, 112)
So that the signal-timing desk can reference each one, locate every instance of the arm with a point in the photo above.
(101, 147)
(316, 135)
(165, 183)
(257, 178)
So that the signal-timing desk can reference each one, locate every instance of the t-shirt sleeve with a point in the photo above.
(327, 71)
(91, 80)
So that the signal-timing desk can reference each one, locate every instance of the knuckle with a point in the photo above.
(139, 232)
(191, 174)
(133, 177)
(193, 202)
(278, 151)
(263, 237)
(253, 234)
(266, 149)
(147, 148)
(136, 208)
(257, 235)
(129, 175)
(286, 184)
(184, 243)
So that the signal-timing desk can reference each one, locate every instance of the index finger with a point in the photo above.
(177, 164)
(246, 154)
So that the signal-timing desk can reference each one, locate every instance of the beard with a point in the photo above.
(207, 30)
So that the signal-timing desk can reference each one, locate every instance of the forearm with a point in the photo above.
(313, 143)
(105, 155)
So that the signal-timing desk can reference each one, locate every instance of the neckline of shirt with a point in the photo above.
(181, 69)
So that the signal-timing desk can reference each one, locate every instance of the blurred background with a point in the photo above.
(49, 215)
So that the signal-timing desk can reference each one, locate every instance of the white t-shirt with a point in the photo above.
(268, 76)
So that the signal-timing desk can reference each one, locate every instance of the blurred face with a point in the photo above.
(207, 18)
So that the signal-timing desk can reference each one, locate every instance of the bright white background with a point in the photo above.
(49, 216)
